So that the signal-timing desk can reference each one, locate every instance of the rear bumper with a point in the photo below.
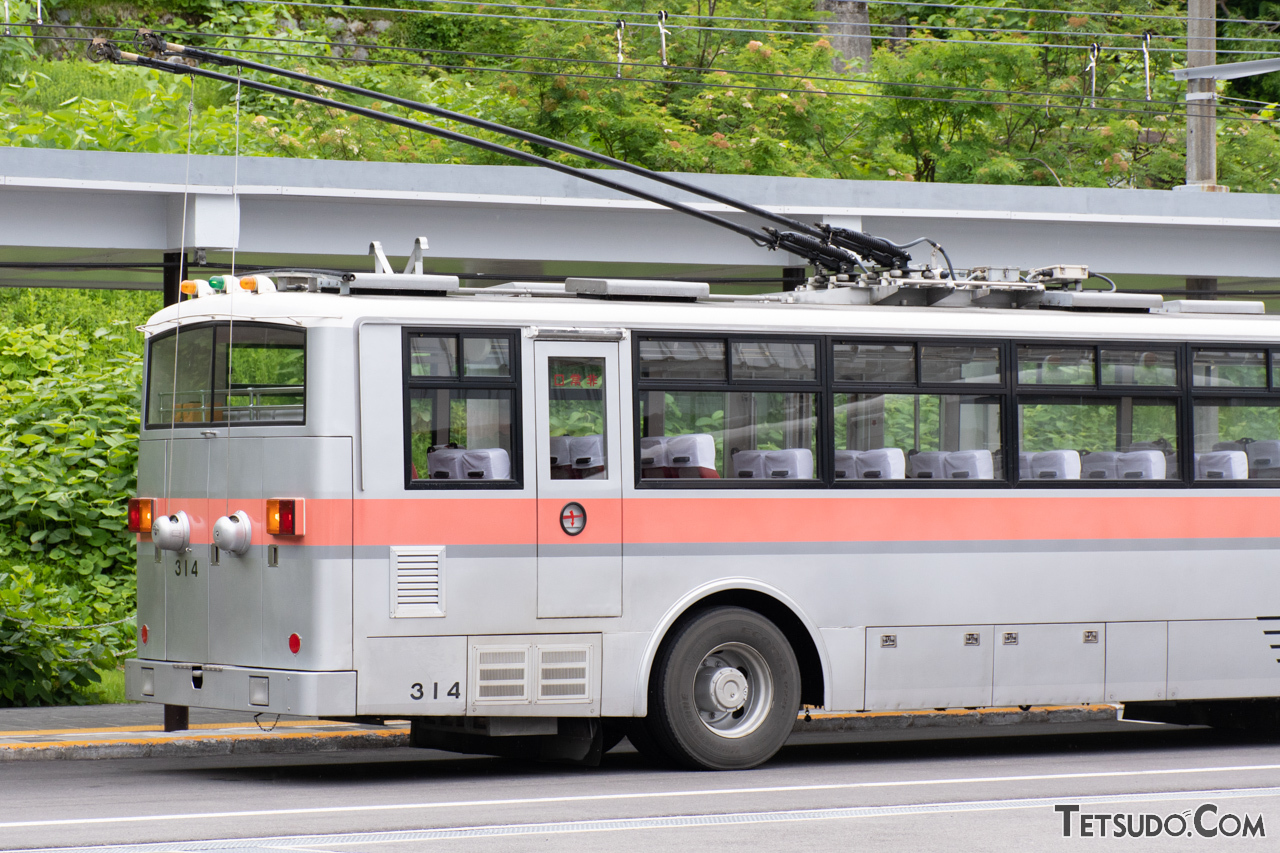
(238, 688)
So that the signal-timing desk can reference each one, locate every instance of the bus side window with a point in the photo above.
(737, 410)
(1235, 424)
(1076, 423)
(577, 411)
(897, 415)
(461, 425)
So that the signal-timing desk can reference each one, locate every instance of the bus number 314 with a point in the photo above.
(416, 690)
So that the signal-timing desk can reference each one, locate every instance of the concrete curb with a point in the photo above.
(100, 744)
(191, 747)
(954, 718)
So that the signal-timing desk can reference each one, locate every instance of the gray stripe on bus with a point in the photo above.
(746, 549)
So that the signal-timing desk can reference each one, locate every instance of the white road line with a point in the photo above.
(646, 795)
(310, 843)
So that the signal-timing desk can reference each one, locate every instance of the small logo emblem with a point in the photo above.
(573, 518)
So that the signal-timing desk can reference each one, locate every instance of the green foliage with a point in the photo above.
(68, 448)
(42, 664)
(953, 94)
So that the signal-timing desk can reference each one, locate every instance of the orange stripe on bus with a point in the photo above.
(711, 519)
(934, 519)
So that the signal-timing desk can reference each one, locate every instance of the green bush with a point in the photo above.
(47, 657)
(68, 448)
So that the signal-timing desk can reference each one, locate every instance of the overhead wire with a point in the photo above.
(767, 89)
(611, 23)
(632, 64)
(893, 38)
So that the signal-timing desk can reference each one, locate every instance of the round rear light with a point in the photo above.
(295, 643)
(145, 633)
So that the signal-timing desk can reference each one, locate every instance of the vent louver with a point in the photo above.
(562, 673)
(502, 674)
(417, 581)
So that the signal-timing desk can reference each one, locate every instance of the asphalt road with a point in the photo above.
(934, 791)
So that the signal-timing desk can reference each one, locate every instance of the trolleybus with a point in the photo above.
(530, 517)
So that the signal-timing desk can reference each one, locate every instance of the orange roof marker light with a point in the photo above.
(285, 516)
(196, 288)
(256, 284)
(141, 513)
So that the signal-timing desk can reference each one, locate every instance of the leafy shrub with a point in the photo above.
(42, 663)
(68, 449)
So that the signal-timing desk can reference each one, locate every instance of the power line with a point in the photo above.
(657, 66)
(612, 22)
(755, 88)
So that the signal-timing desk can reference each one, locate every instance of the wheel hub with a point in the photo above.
(721, 689)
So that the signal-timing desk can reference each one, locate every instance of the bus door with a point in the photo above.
(579, 479)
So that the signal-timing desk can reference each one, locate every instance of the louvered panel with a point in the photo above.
(417, 581)
(501, 674)
(563, 673)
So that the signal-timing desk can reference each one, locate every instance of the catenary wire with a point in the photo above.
(611, 63)
(654, 65)
(740, 88)
(612, 22)
(769, 89)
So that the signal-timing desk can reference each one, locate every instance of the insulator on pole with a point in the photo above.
(618, 28)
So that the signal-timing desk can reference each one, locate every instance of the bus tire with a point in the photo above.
(725, 691)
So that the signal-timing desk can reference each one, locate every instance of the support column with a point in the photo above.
(175, 270)
(1202, 288)
(1202, 109)
(176, 718)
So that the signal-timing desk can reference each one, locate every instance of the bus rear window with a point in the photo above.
(223, 373)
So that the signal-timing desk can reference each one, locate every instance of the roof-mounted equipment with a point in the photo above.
(385, 280)
(638, 289)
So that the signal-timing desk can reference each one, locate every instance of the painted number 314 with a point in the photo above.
(416, 691)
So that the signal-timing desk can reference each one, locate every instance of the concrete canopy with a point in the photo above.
(93, 207)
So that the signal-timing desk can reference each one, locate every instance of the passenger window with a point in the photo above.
(461, 419)
(1097, 438)
(727, 435)
(917, 436)
(875, 363)
(668, 359)
(433, 356)
(1055, 365)
(576, 405)
(1229, 369)
(746, 429)
(486, 357)
(461, 434)
(1237, 439)
(1139, 367)
(775, 360)
(968, 364)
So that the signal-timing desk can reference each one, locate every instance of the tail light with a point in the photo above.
(284, 516)
(141, 511)
(295, 643)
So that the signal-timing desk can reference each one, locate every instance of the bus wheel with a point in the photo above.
(725, 691)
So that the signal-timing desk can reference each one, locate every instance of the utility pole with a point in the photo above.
(1202, 118)
(850, 31)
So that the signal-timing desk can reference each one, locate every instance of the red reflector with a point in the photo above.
(141, 511)
(145, 633)
(295, 643)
